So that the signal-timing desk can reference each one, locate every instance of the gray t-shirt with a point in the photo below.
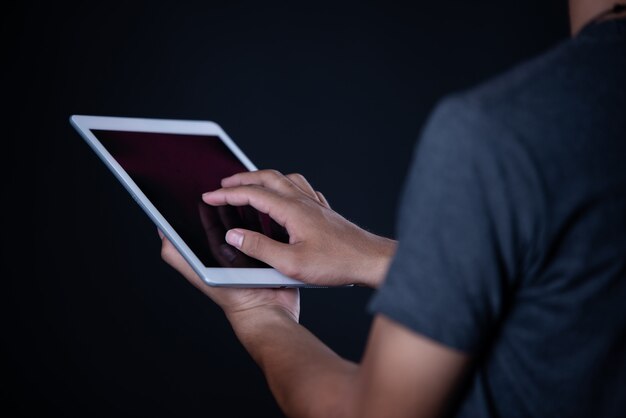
(512, 234)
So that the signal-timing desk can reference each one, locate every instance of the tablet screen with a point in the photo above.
(173, 170)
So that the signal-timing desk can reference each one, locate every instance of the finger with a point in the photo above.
(171, 256)
(261, 199)
(270, 179)
(303, 184)
(322, 199)
(259, 246)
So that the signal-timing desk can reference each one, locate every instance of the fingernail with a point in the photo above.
(205, 195)
(234, 238)
(160, 233)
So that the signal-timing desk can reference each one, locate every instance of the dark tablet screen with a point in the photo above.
(173, 170)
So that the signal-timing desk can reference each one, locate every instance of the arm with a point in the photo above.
(402, 373)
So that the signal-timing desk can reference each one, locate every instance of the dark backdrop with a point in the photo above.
(94, 323)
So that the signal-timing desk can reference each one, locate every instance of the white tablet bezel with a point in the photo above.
(212, 276)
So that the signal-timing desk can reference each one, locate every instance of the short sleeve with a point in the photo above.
(465, 225)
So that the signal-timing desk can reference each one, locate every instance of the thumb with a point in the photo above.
(261, 247)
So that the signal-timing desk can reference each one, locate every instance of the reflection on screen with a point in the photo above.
(173, 170)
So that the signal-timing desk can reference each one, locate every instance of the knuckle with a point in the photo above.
(322, 199)
(297, 176)
(285, 183)
(289, 270)
(292, 267)
(273, 173)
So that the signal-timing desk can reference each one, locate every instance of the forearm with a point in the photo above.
(306, 377)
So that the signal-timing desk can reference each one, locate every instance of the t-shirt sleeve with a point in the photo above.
(465, 227)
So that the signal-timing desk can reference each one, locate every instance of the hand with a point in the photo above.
(324, 248)
(236, 302)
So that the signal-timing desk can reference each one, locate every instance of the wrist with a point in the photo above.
(252, 320)
(376, 262)
(254, 327)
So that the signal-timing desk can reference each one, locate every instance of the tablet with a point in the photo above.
(166, 165)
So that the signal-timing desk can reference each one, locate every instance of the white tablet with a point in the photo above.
(166, 165)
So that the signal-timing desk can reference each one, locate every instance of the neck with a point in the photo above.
(582, 12)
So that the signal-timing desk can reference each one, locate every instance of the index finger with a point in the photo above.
(270, 179)
(260, 198)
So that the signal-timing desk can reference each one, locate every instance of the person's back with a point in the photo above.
(541, 155)
(562, 349)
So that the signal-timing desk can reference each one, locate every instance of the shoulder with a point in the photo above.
(516, 108)
(543, 93)
(461, 126)
(530, 82)
(507, 92)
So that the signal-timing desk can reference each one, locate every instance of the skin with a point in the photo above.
(402, 373)
(582, 12)
(306, 377)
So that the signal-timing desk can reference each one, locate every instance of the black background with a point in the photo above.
(94, 323)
